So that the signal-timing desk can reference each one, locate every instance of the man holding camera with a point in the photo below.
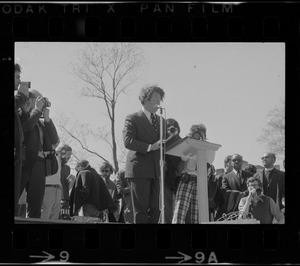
(40, 138)
(263, 208)
(20, 99)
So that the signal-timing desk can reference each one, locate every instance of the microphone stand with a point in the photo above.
(162, 188)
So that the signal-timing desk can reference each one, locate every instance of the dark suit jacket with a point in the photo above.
(277, 180)
(20, 99)
(138, 133)
(231, 182)
(233, 191)
(89, 188)
(32, 134)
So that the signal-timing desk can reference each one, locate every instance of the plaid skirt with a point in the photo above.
(186, 197)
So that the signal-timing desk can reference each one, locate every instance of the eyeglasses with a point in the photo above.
(105, 171)
(236, 160)
(265, 157)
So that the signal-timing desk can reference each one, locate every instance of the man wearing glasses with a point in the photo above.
(273, 180)
(234, 184)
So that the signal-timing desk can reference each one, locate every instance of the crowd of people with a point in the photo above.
(46, 189)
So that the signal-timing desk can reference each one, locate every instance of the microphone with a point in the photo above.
(160, 107)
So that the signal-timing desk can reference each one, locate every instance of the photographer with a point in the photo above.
(263, 208)
(19, 101)
(40, 138)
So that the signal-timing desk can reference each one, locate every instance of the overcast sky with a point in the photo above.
(229, 87)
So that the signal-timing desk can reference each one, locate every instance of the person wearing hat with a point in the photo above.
(54, 190)
(40, 139)
(89, 195)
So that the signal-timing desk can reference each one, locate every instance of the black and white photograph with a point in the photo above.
(150, 132)
(134, 133)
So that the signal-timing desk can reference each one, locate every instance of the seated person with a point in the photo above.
(263, 208)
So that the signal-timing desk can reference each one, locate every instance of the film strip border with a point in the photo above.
(160, 22)
(149, 22)
(113, 244)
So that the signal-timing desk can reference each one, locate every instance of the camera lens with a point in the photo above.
(47, 103)
(172, 130)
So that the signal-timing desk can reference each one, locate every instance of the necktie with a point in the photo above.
(239, 176)
(41, 137)
(267, 173)
(154, 122)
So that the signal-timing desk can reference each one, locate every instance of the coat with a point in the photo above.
(276, 187)
(89, 188)
(20, 99)
(32, 135)
(233, 191)
(231, 182)
(138, 133)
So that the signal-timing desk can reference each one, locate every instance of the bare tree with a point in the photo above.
(107, 71)
(76, 134)
(274, 132)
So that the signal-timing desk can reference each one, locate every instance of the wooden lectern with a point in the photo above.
(205, 153)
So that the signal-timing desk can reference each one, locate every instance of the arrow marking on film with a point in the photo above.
(48, 257)
(184, 258)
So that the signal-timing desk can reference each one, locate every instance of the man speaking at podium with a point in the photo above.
(141, 138)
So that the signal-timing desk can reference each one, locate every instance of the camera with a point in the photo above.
(26, 83)
(172, 130)
(47, 102)
(197, 135)
(259, 190)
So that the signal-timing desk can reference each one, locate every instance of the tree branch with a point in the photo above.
(81, 144)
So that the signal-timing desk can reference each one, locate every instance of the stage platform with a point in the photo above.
(19, 220)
